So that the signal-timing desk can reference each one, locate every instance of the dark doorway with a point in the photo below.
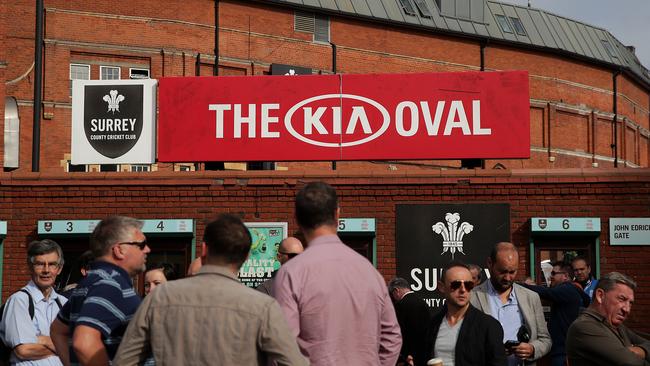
(362, 244)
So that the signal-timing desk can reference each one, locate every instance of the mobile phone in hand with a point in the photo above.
(511, 344)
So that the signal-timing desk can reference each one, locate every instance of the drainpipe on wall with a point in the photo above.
(615, 120)
(38, 86)
(484, 44)
(215, 71)
(334, 72)
(197, 65)
(333, 57)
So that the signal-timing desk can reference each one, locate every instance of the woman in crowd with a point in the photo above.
(156, 275)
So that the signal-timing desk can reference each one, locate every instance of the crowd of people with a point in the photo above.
(326, 305)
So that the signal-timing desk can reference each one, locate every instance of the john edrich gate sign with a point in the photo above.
(344, 117)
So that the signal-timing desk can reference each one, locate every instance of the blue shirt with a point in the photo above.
(103, 300)
(18, 328)
(507, 314)
(590, 287)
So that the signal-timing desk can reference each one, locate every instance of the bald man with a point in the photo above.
(289, 248)
(518, 309)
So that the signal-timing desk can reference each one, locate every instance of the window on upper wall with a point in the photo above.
(140, 167)
(423, 8)
(79, 72)
(322, 29)
(608, 47)
(318, 25)
(519, 26)
(109, 73)
(303, 22)
(503, 23)
(407, 7)
(135, 73)
(75, 167)
(109, 168)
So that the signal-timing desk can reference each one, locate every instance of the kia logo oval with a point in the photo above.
(358, 112)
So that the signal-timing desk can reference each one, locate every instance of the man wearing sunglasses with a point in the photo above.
(101, 306)
(460, 334)
(289, 248)
(567, 300)
(518, 309)
(29, 312)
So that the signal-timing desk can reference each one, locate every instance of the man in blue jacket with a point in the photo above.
(567, 301)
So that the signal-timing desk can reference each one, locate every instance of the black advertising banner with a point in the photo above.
(113, 118)
(280, 69)
(430, 236)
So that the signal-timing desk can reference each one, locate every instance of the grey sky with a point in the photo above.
(627, 20)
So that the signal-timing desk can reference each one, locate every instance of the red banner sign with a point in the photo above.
(344, 117)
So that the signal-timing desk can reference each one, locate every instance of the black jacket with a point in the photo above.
(413, 316)
(480, 339)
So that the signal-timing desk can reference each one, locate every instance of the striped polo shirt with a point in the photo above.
(104, 300)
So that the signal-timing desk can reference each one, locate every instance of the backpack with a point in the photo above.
(5, 351)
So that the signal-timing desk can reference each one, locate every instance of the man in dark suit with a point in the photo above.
(413, 316)
(460, 334)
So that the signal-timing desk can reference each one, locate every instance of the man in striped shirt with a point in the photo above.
(100, 308)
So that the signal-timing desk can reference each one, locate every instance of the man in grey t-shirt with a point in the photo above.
(460, 334)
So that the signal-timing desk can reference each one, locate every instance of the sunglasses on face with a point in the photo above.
(139, 244)
(290, 255)
(455, 285)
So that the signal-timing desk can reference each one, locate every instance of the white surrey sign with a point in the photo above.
(114, 121)
(629, 231)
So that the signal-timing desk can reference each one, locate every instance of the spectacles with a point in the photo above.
(553, 273)
(41, 265)
(139, 244)
(455, 285)
(290, 255)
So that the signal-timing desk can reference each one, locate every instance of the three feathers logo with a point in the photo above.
(452, 233)
(113, 99)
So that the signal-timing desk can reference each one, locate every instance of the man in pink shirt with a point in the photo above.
(335, 301)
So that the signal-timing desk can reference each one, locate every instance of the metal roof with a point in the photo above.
(543, 30)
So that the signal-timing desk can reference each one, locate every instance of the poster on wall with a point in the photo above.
(430, 236)
(262, 262)
(113, 121)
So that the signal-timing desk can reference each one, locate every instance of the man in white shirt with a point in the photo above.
(28, 313)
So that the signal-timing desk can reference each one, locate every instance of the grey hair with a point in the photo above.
(111, 231)
(398, 282)
(609, 281)
(40, 247)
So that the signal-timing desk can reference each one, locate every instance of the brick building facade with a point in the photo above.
(570, 172)
(571, 104)
(268, 197)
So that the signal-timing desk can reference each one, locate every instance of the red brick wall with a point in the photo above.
(167, 38)
(268, 196)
